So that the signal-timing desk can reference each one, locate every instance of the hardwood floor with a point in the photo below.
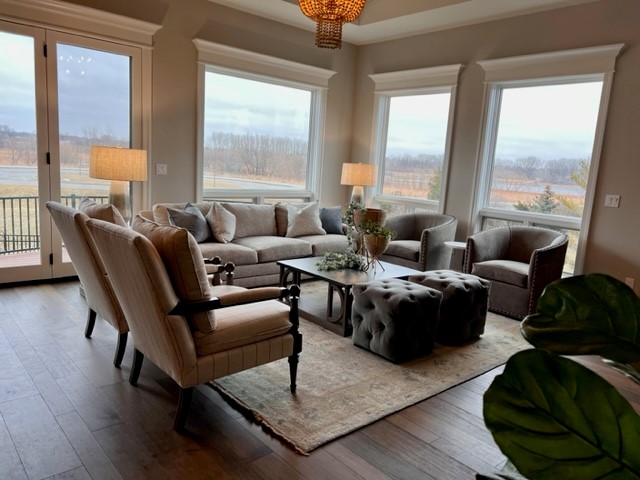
(66, 412)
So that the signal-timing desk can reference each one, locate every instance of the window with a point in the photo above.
(541, 141)
(412, 136)
(261, 130)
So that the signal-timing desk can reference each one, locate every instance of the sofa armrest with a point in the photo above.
(545, 266)
(434, 254)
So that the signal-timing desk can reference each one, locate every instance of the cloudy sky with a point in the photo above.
(93, 88)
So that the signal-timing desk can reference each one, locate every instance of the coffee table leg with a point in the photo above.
(346, 318)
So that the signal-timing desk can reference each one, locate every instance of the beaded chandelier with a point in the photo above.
(331, 15)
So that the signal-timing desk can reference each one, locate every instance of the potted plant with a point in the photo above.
(554, 418)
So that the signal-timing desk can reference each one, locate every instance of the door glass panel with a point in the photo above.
(19, 223)
(94, 108)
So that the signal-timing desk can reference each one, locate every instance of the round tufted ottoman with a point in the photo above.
(394, 318)
(463, 311)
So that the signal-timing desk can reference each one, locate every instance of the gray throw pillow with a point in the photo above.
(193, 220)
(331, 218)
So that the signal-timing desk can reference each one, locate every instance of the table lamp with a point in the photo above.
(121, 166)
(358, 175)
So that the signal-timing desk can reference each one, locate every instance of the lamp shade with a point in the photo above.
(360, 174)
(116, 163)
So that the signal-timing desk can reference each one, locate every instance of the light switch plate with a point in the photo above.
(612, 201)
(161, 169)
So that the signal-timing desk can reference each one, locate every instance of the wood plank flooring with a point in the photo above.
(66, 412)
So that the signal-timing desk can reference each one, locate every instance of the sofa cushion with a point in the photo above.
(222, 223)
(505, 271)
(331, 219)
(273, 248)
(321, 244)
(229, 252)
(185, 266)
(193, 220)
(408, 249)
(252, 220)
(304, 220)
(101, 211)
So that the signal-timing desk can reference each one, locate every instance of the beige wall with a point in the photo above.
(614, 239)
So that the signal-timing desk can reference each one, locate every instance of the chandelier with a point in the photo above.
(331, 15)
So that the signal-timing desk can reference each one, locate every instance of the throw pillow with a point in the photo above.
(193, 220)
(331, 219)
(185, 266)
(304, 220)
(252, 220)
(221, 222)
(101, 211)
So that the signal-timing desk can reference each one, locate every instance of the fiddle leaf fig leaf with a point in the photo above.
(554, 418)
(591, 314)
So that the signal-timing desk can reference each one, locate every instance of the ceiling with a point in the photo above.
(389, 19)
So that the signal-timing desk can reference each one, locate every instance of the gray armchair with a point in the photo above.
(419, 240)
(519, 262)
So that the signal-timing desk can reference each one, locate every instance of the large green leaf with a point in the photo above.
(588, 315)
(555, 419)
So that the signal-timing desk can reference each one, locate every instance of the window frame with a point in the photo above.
(225, 60)
(423, 81)
(553, 68)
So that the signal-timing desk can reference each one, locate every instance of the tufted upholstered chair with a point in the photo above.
(160, 280)
(98, 291)
(419, 240)
(519, 262)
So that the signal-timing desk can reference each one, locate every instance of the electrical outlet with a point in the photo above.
(630, 281)
(161, 169)
(612, 201)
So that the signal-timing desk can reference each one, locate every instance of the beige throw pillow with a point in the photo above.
(304, 220)
(185, 266)
(221, 222)
(101, 211)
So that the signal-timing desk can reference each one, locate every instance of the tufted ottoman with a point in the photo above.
(463, 311)
(394, 318)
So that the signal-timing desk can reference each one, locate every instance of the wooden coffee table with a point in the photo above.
(340, 282)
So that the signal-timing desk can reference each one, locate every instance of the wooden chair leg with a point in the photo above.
(184, 402)
(91, 322)
(293, 370)
(136, 366)
(122, 344)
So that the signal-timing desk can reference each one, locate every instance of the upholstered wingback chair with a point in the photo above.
(98, 292)
(519, 262)
(160, 280)
(419, 240)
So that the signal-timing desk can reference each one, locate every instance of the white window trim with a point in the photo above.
(552, 67)
(422, 81)
(255, 66)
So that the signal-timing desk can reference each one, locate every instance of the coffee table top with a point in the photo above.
(348, 277)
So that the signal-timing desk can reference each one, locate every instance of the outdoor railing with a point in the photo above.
(20, 221)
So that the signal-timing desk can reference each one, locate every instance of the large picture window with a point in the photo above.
(256, 134)
(412, 137)
(541, 142)
(261, 124)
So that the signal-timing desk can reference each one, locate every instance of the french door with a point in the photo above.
(59, 94)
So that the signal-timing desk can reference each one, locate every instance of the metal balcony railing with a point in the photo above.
(20, 221)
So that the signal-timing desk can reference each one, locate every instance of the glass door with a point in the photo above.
(59, 95)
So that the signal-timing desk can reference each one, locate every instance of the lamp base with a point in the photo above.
(120, 198)
(357, 194)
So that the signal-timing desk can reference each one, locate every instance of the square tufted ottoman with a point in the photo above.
(395, 318)
(463, 311)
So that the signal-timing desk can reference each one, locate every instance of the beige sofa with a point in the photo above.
(261, 234)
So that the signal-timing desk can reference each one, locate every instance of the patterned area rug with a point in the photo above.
(342, 387)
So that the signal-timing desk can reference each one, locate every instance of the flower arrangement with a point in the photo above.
(341, 260)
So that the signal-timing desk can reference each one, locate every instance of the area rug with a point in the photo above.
(342, 387)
